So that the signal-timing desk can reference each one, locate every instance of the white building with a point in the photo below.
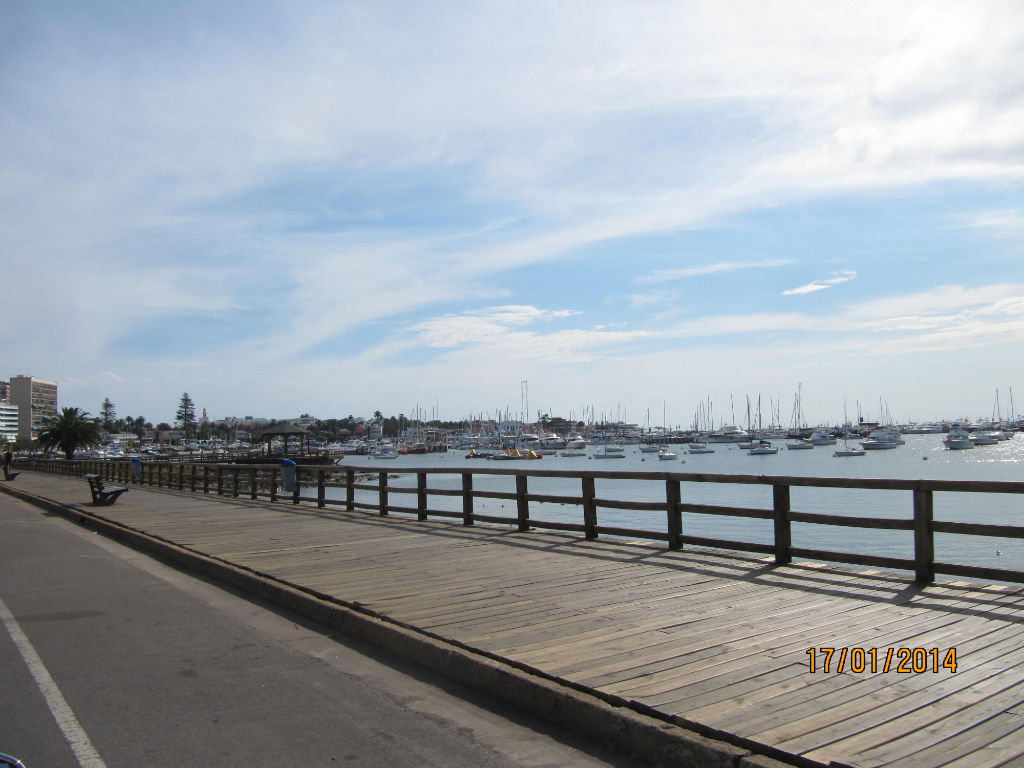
(8, 423)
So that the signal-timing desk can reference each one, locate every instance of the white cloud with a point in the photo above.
(820, 285)
(684, 273)
(1007, 224)
(805, 289)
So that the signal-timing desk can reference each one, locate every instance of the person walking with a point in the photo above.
(8, 462)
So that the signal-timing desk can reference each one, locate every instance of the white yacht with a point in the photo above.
(984, 437)
(882, 440)
(575, 443)
(958, 439)
(729, 434)
(822, 437)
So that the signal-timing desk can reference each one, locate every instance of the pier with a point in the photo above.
(757, 653)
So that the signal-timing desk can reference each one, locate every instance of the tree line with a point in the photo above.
(73, 428)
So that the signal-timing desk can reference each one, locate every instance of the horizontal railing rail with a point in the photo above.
(265, 481)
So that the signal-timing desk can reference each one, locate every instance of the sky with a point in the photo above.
(636, 210)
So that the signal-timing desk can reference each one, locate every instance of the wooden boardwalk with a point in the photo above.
(710, 638)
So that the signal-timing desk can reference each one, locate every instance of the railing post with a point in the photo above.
(298, 485)
(192, 479)
(220, 480)
(321, 490)
(924, 537)
(675, 517)
(350, 490)
(252, 483)
(206, 478)
(273, 484)
(783, 532)
(522, 503)
(589, 508)
(382, 486)
(234, 481)
(467, 498)
(421, 495)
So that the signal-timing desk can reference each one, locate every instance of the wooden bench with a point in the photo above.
(103, 495)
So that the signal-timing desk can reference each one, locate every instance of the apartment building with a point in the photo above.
(36, 400)
(8, 423)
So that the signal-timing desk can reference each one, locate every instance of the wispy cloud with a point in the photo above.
(820, 285)
(685, 273)
(1008, 223)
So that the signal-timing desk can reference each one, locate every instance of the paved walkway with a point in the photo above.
(713, 641)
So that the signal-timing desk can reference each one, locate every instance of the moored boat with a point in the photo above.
(958, 439)
(729, 434)
(882, 440)
(822, 437)
(846, 451)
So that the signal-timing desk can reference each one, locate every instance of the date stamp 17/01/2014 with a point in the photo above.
(900, 660)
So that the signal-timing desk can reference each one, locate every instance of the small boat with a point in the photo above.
(763, 448)
(700, 448)
(572, 453)
(882, 440)
(849, 452)
(575, 443)
(984, 437)
(958, 439)
(822, 437)
(728, 434)
(667, 455)
(847, 434)
(532, 454)
(799, 444)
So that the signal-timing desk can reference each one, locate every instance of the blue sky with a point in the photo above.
(338, 208)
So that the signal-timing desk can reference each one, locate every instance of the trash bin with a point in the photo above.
(288, 475)
(136, 468)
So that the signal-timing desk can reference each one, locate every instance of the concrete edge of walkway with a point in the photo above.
(618, 727)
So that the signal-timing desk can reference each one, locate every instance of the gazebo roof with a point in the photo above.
(284, 429)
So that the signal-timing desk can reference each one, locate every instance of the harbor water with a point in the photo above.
(921, 457)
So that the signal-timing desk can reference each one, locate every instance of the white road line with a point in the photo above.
(84, 751)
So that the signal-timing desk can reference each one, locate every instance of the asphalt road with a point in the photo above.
(108, 658)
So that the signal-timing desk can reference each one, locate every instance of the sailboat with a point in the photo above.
(797, 441)
(847, 450)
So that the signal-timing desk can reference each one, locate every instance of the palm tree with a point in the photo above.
(70, 429)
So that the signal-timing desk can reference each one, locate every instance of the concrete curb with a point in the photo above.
(615, 725)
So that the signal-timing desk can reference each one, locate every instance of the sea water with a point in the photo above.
(922, 457)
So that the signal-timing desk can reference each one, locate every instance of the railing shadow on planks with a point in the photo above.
(261, 481)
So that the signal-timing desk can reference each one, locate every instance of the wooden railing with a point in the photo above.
(262, 481)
